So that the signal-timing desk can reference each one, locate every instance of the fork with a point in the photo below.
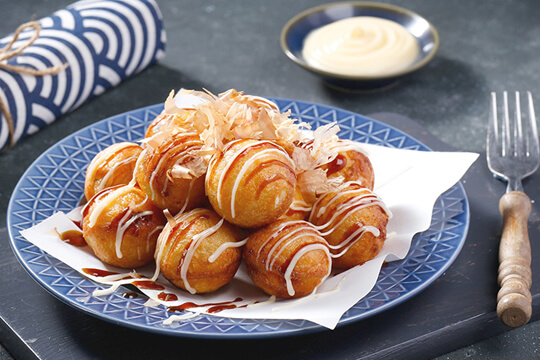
(513, 154)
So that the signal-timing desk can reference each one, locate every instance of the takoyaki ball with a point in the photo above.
(251, 183)
(198, 251)
(155, 175)
(288, 259)
(121, 226)
(351, 163)
(112, 166)
(299, 209)
(353, 220)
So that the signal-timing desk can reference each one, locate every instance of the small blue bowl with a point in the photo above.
(296, 30)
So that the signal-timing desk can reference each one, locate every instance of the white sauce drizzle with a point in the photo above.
(354, 236)
(107, 291)
(283, 242)
(364, 198)
(165, 157)
(259, 155)
(196, 240)
(299, 205)
(229, 159)
(296, 258)
(179, 318)
(282, 245)
(150, 234)
(186, 202)
(113, 169)
(103, 155)
(116, 279)
(124, 224)
(273, 236)
(225, 246)
(105, 202)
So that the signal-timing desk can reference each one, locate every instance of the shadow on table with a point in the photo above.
(446, 86)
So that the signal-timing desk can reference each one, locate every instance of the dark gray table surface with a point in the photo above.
(485, 46)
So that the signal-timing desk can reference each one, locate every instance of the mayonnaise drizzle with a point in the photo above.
(286, 240)
(279, 228)
(299, 205)
(116, 280)
(225, 246)
(105, 202)
(361, 46)
(124, 224)
(296, 258)
(103, 155)
(191, 246)
(282, 245)
(195, 241)
(258, 156)
(189, 145)
(362, 198)
(230, 156)
(179, 318)
(113, 169)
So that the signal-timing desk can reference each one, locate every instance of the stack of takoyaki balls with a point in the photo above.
(227, 178)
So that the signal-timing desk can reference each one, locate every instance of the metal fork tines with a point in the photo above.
(513, 154)
(512, 148)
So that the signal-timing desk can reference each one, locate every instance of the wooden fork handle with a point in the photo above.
(514, 299)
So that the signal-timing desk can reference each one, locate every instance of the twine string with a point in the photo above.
(6, 53)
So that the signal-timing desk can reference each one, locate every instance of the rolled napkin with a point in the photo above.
(73, 55)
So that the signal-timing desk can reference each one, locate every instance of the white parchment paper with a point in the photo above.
(408, 181)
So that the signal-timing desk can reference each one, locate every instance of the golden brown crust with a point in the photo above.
(269, 251)
(352, 165)
(127, 207)
(180, 238)
(352, 224)
(110, 167)
(153, 173)
(258, 176)
(299, 209)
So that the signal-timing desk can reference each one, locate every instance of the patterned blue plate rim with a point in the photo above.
(432, 251)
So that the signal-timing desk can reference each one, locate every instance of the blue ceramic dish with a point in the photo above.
(296, 30)
(55, 182)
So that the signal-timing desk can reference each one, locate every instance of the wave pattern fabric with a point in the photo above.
(102, 41)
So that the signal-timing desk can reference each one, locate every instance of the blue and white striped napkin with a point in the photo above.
(101, 42)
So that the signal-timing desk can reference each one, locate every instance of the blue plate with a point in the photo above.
(55, 182)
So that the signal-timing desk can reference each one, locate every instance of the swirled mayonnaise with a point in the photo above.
(361, 46)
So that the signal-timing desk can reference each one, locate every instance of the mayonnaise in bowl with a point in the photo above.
(361, 46)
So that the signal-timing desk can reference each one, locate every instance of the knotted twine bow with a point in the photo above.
(7, 53)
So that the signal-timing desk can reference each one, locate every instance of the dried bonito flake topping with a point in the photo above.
(231, 115)
(322, 149)
(195, 167)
